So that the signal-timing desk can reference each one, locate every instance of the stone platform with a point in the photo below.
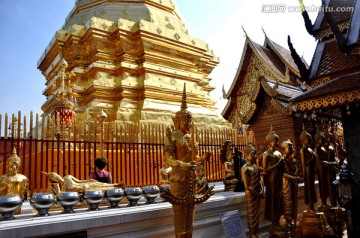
(144, 220)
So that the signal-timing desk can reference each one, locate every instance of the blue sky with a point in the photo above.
(27, 27)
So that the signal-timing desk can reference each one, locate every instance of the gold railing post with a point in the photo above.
(102, 117)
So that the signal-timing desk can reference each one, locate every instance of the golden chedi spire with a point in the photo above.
(131, 58)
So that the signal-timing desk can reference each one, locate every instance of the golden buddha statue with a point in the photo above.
(321, 167)
(254, 190)
(332, 163)
(290, 186)
(69, 183)
(181, 154)
(201, 182)
(165, 174)
(226, 157)
(13, 182)
(273, 166)
(308, 163)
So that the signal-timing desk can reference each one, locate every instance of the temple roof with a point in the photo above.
(342, 15)
(284, 90)
(340, 91)
(329, 59)
(276, 58)
(283, 54)
(265, 67)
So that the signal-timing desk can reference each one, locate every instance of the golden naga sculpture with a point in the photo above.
(290, 184)
(273, 165)
(181, 155)
(69, 183)
(254, 190)
(13, 182)
(308, 163)
(321, 167)
(226, 157)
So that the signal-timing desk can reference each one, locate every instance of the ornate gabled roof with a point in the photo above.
(354, 29)
(339, 91)
(283, 90)
(328, 59)
(263, 67)
(340, 11)
(284, 55)
(270, 59)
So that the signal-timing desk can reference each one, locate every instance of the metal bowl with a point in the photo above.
(151, 193)
(133, 195)
(114, 196)
(42, 202)
(9, 204)
(93, 198)
(68, 200)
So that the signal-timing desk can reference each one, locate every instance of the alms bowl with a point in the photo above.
(93, 198)
(68, 200)
(9, 204)
(114, 196)
(42, 202)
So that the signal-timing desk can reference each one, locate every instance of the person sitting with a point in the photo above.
(101, 174)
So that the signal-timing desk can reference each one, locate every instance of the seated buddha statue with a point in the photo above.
(13, 182)
(226, 157)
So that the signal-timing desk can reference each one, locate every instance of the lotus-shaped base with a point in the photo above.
(151, 193)
(68, 200)
(114, 196)
(42, 202)
(93, 198)
(133, 195)
(9, 204)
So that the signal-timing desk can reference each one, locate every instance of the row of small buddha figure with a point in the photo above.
(281, 175)
(15, 183)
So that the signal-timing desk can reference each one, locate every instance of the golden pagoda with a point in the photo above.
(129, 58)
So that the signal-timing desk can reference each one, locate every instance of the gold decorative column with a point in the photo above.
(102, 117)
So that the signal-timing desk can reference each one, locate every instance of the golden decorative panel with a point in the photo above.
(328, 100)
(319, 82)
(327, 32)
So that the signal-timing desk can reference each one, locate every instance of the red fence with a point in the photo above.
(134, 151)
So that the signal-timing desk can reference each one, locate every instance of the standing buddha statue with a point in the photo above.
(181, 155)
(308, 162)
(321, 167)
(332, 166)
(254, 190)
(273, 166)
(290, 186)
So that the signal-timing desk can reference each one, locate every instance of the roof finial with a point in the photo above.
(242, 26)
(183, 101)
(262, 28)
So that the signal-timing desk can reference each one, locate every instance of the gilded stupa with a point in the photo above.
(131, 59)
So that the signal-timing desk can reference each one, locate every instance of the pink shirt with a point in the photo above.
(101, 174)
